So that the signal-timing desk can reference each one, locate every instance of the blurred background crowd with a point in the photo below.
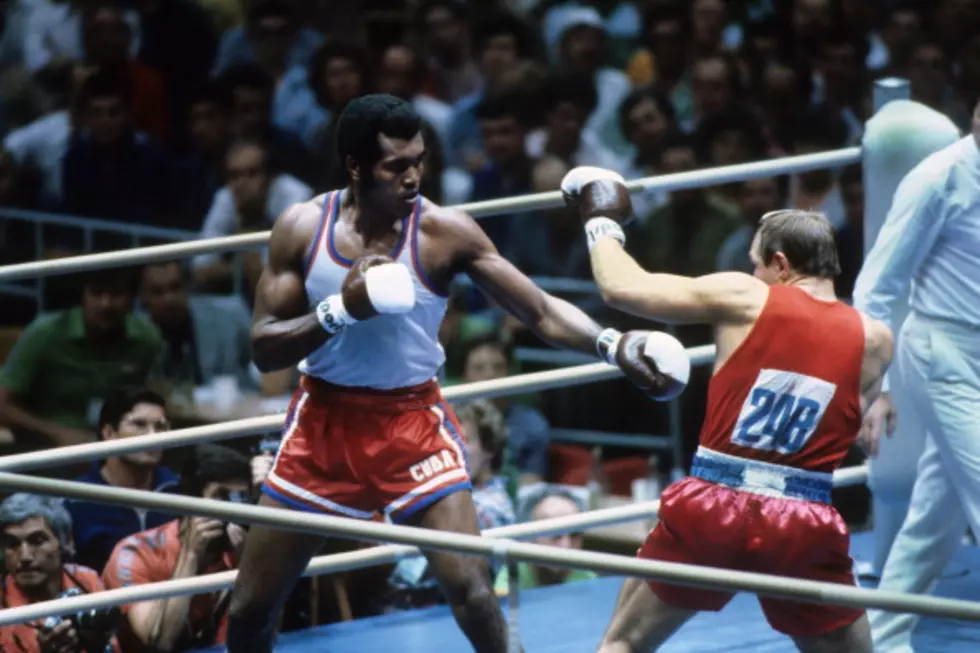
(138, 122)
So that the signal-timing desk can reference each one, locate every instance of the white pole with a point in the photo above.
(688, 575)
(534, 382)
(708, 177)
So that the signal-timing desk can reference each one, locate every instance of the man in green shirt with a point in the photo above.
(64, 363)
(549, 504)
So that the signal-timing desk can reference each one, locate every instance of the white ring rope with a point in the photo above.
(533, 382)
(697, 178)
(689, 575)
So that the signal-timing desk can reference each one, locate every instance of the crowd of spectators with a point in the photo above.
(205, 118)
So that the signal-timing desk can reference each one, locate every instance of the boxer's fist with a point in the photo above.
(375, 285)
(655, 362)
(597, 193)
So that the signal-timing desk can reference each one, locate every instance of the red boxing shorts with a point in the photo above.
(356, 452)
(705, 523)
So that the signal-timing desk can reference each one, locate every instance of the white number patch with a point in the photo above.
(782, 411)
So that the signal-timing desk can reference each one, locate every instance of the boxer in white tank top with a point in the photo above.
(353, 292)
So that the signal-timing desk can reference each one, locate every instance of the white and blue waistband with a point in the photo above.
(765, 479)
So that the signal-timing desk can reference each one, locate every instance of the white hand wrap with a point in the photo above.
(598, 228)
(607, 344)
(390, 288)
(333, 315)
(671, 359)
(577, 178)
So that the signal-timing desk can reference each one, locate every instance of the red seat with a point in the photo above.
(621, 473)
(569, 464)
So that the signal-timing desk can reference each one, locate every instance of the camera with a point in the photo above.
(94, 627)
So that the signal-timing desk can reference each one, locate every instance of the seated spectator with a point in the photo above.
(756, 197)
(576, 40)
(487, 357)
(37, 546)
(500, 42)
(568, 101)
(684, 235)
(53, 382)
(547, 503)
(451, 72)
(40, 147)
(411, 584)
(54, 34)
(646, 116)
(106, 40)
(663, 61)
(98, 527)
(850, 237)
(184, 548)
(248, 94)
(239, 44)
(253, 198)
(200, 169)
(112, 171)
(818, 129)
(457, 328)
(715, 88)
(205, 336)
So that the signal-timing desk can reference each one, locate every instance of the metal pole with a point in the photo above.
(680, 574)
(694, 179)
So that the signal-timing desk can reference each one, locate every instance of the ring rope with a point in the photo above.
(697, 178)
(682, 574)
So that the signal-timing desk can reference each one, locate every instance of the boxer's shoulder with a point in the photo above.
(448, 226)
(297, 226)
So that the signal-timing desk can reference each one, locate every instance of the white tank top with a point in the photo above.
(388, 351)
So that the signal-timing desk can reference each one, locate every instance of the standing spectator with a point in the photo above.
(930, 235)
(239, 45)
(112, 171)
(487, 357)
(205, 336)
(251, 201)
(37, 546)
(53, 382)
(548, 503)
(98, 527)
(184, 548)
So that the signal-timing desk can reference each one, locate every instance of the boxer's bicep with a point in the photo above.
(281, 290)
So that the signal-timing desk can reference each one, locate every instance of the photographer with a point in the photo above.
(184, 548)
(36, 540)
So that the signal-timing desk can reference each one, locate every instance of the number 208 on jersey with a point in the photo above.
(782, 411)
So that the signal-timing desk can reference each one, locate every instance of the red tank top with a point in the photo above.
(790, 393)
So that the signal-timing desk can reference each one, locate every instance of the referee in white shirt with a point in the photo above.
(931, 241)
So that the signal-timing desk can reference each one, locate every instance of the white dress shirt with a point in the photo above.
(931, 241)
(223, 219)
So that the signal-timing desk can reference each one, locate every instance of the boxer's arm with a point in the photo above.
(879, 348)
(711, 299)
(284, 329)
(554, 320)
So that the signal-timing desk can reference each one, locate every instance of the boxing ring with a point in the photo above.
(583, 608)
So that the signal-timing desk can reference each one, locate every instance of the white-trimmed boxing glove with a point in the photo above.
(375, 285)
(602, 200)
(654, 361)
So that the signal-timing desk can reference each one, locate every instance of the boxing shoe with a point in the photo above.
(653, 361)
(375, 285)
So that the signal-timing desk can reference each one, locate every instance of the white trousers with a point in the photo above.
(938, 365)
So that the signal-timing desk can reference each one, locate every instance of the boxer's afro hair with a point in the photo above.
(365, 118)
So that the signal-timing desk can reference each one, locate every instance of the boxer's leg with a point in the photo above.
(465, 580)
(642, 621)
(270, 566)
(854, 638)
